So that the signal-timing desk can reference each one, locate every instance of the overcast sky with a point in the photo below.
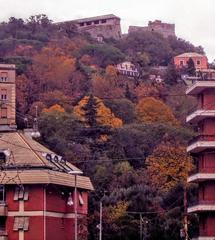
(194, 19)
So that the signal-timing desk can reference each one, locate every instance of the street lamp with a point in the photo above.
(75, 173)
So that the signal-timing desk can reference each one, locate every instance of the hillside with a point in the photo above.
(127, 134)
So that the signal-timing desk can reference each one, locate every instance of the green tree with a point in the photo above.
(190, 69)
(104, 54)
(90, 111)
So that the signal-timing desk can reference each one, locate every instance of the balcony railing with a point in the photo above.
(202, 170)
(202, 138)
(201, 202)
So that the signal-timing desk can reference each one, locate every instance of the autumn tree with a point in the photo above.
(104, 115)
(56, 97)
(152, 110)
(54, 109)
(106, 85)
(168, 166)
(144, 90)
(52, 69)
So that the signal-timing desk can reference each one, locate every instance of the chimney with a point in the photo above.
(7, 97)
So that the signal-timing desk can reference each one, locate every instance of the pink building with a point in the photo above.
(200, 61)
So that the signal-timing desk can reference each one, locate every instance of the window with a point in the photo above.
(2, 194)
(2, 225)
(81, 24)
(96, 22)
(3, 112)
(89, 23)
(203, 192)
(198, 62)
(3, 94)
(2, 156)
(21, 223)
(21, 193)
(103, 21)
(3, 76)
(181, 63)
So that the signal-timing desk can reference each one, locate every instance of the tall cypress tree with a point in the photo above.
(191, 70)
(90, 111)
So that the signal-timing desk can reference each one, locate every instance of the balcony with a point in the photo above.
(199, 175)
(202, 206)
(199, 86)
(201, 143)
(3, 235)
(199, 115)
(203, 238)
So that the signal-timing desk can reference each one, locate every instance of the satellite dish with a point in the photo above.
(48, 156)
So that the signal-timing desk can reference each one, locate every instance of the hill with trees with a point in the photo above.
(128, 135)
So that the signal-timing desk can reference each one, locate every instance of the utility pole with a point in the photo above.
(100, 222)
(185, 214)
(141, 227)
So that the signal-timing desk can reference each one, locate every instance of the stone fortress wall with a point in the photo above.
(166, 29)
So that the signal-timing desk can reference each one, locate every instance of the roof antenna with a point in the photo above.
(36, 133)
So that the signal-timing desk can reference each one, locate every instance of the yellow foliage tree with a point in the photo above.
(54, 108)
(103, 114)
(152, 110)
(168, 166)
(119, 211)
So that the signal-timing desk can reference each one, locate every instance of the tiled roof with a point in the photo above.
(190, 54)
(29, 155)
(12, 177)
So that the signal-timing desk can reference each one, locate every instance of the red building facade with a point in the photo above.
(202, 148)
(37, 187)
(200, 61)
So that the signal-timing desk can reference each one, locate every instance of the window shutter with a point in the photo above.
(26, 224)
(21, 223)
(26, 194)
(16, 194)
(81, 201)
(21, 193)
(16, 224)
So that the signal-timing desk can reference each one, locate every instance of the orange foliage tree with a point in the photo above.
(168, 166)
(54, 108)
(52, 69)
(107, 85)
(152, 110)
(104, 115)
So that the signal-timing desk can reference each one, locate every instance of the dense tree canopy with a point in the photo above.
(125, 133)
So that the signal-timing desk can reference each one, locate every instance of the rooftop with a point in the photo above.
(7, 66)
(108, 16)
(190, 54)
(29, 158)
